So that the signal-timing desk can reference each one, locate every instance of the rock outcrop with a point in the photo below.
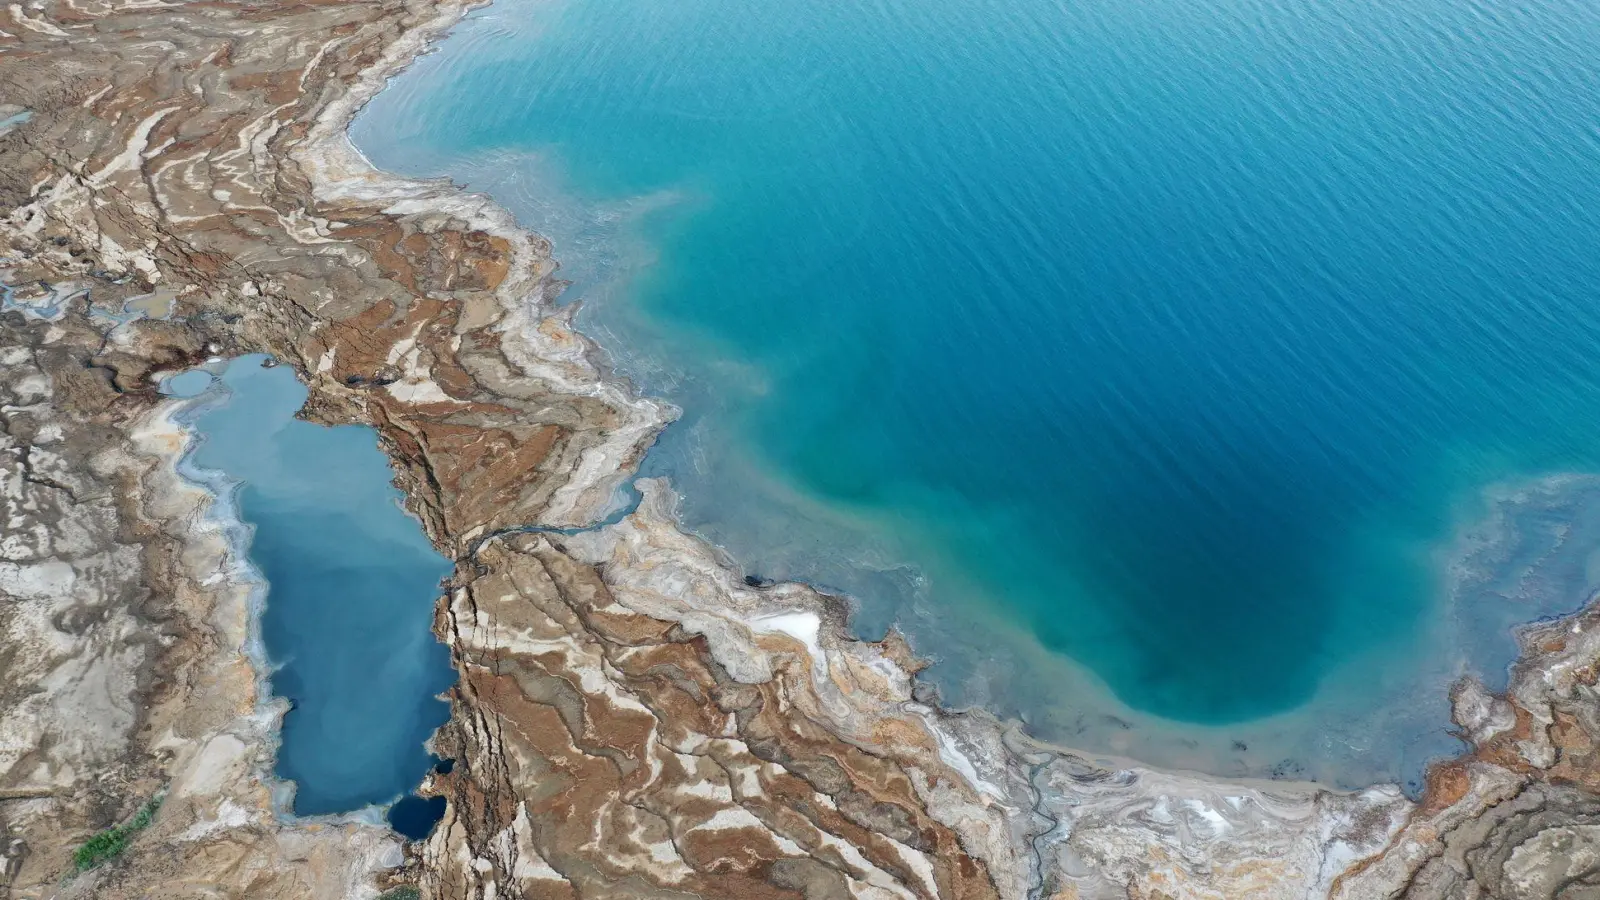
(1515, 817)
(633, 719)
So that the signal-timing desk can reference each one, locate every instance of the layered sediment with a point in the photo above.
(633, 718)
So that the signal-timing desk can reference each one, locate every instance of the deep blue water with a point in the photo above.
(1147, 361)
(351, 585)
(415, 817)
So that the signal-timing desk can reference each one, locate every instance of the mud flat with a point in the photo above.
(632, 718)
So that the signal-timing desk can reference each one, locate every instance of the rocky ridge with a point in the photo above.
(633, 718)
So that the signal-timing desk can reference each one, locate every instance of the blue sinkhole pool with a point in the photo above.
(349, 583)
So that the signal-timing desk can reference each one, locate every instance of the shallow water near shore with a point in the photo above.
(350, 586)
(1195, 380)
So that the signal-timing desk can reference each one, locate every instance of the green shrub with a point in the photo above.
(403, 892)
(109, 844)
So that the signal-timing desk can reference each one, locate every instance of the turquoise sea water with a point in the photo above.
(350, 587)
(1191, 377)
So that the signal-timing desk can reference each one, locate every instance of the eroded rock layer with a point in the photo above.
(623, 755)
(633, 719)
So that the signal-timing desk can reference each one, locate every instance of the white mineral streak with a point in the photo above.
(133, 153)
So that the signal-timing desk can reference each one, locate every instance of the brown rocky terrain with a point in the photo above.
(632, 720)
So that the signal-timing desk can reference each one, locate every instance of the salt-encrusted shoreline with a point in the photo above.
(630, 712)
(217, 513)
(543, 342)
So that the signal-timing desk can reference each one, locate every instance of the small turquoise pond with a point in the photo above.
(351, 585)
